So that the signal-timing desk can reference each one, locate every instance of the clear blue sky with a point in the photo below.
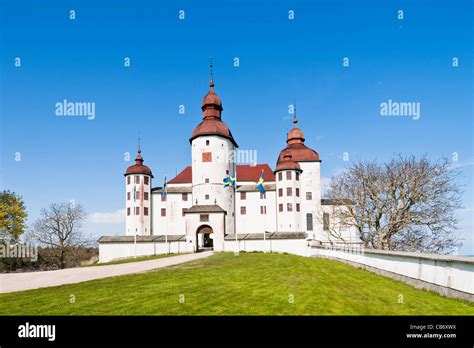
(281, 61)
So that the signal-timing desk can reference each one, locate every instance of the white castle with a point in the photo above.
(196, 211)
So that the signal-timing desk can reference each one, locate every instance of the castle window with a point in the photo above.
(145, 211)
(289, 207)
(163, 211)
(207, 142)
(309, 222)
(207, 156)
(243, 196)
(297, 192)
(137, 210)
(147, 180)
(263, 210)
(289, 191)
(128, 211)
(280, 192)
(137, 195)
(128, 196)
(288, 175)
(184, 197)
(137, 179)
(206, 197)
(204, 217)
(145, 196)
(128, 180)
(227, 172)
(183, 211)
(280, 176)
(163, 198)
(297, 207)
(263, 195)
(206, 180)
(297, 176)
(280, 207)
(309, 196)
(326, 221)
(243, 210)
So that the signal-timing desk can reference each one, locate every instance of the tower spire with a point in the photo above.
(295, 120)
(211, 83)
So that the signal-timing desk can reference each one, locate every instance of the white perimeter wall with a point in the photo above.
(113, 251)
(443, 271)
(291, 246)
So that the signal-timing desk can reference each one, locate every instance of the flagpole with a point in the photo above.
(164, 193)
(237, 247)
(264, 226)
(261, 182)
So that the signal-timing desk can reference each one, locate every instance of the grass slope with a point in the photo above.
(248, 284)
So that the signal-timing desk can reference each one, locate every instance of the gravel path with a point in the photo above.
(11, 282)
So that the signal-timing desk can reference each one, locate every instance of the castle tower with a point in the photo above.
(213, 148)
(288, 194)
(310, 181)
(138, 198)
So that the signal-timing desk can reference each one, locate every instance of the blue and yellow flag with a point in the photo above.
(229, 181)
(164, 192)
(260, 183)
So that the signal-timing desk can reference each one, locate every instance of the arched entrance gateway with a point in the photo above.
(204, 238)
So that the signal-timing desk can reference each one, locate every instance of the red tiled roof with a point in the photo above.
(184, 177)
(244, 173)
(252, 173)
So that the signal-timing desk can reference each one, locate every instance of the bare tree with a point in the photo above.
(407, 204)
(59, 228)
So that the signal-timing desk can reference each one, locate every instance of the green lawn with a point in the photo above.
(248, 284)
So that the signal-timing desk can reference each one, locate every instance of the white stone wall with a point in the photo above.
(253, 221)
(288, 221)
(291, 246)
(215, 171)
(174, 221)
(138, 224)
(440, 270)
(115, 251)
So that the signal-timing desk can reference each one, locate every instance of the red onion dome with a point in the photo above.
(287, 163)
(138, 167)
(295, 144)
